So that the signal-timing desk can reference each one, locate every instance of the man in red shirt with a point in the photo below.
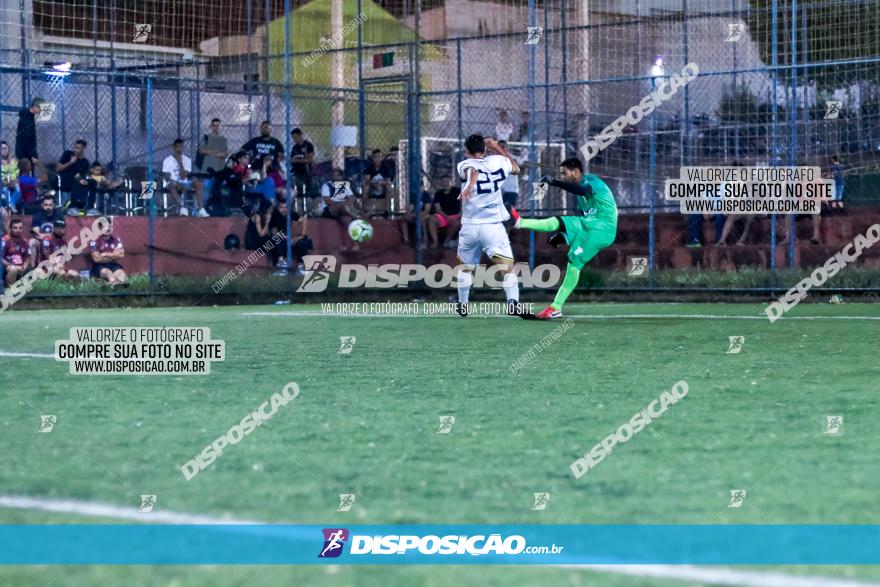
(51, 242)
(105, 252)
(16, 255)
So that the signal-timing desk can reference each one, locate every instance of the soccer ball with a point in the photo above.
(360, 231)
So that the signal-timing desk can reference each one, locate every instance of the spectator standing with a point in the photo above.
(16, 257)
(504, 128)
(177, 168)
(73, 169)
(524, 126)
(26, 132)
(212, 153)
(106, 251)
(302, 157)
(9, 193)
(264, 145)
(510, 185)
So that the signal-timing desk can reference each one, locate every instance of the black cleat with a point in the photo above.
(556, 239)
(514, 309)
(461, 309)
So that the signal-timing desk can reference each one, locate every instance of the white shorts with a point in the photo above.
(475, 239)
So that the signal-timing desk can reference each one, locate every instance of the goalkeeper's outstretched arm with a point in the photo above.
(574, 188)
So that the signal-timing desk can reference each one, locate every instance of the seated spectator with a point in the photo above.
(106, 251)
(445, 213)
(177, 168)
(256, 235)
(100, 187)
(388, 168)
(42, 223)
(72, 169)
(377, 196)
(338, 203)
(16, 256)
(838, 176)
(510, 185)
(267, 179)
(28, 188)
(9, 193)
(51, 242)
(278, 232)
(227, 189)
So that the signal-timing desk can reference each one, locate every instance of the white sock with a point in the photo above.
(465, 280)
(511, 286)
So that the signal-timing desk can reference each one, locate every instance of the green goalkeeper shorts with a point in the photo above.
(585, 239)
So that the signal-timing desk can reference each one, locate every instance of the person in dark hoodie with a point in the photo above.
(26, 132)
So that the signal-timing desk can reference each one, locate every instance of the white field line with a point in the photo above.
(708, 575)
(314, 313)
(27, 355)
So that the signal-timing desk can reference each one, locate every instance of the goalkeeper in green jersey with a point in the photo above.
(587, 234)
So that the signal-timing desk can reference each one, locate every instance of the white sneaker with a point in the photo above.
(202, 213)
(73, 211)
(184, 211)
(93, 212)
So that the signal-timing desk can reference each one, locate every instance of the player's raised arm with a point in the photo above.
(468, 189)
(493, 144)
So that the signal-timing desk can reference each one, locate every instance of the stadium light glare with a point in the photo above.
(657, 70)
(60, 70)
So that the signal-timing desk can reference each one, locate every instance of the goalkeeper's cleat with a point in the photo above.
(556, 239)
(515, 216)
(461, 309)
(548, 313)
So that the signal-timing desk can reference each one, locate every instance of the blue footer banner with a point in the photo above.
(439, 544)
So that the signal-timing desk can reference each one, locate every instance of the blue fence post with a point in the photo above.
(458, 85)
(113, 116)
(533, 17)
(288, 22)
(415, 176)
(792, 120)
(563, 23)
(97, 150)
(267, 9)
(362, 97)
(152, 214)
(250, 68)
(24, 57)
(774, 62)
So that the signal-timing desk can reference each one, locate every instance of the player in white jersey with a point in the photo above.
(482, 219)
